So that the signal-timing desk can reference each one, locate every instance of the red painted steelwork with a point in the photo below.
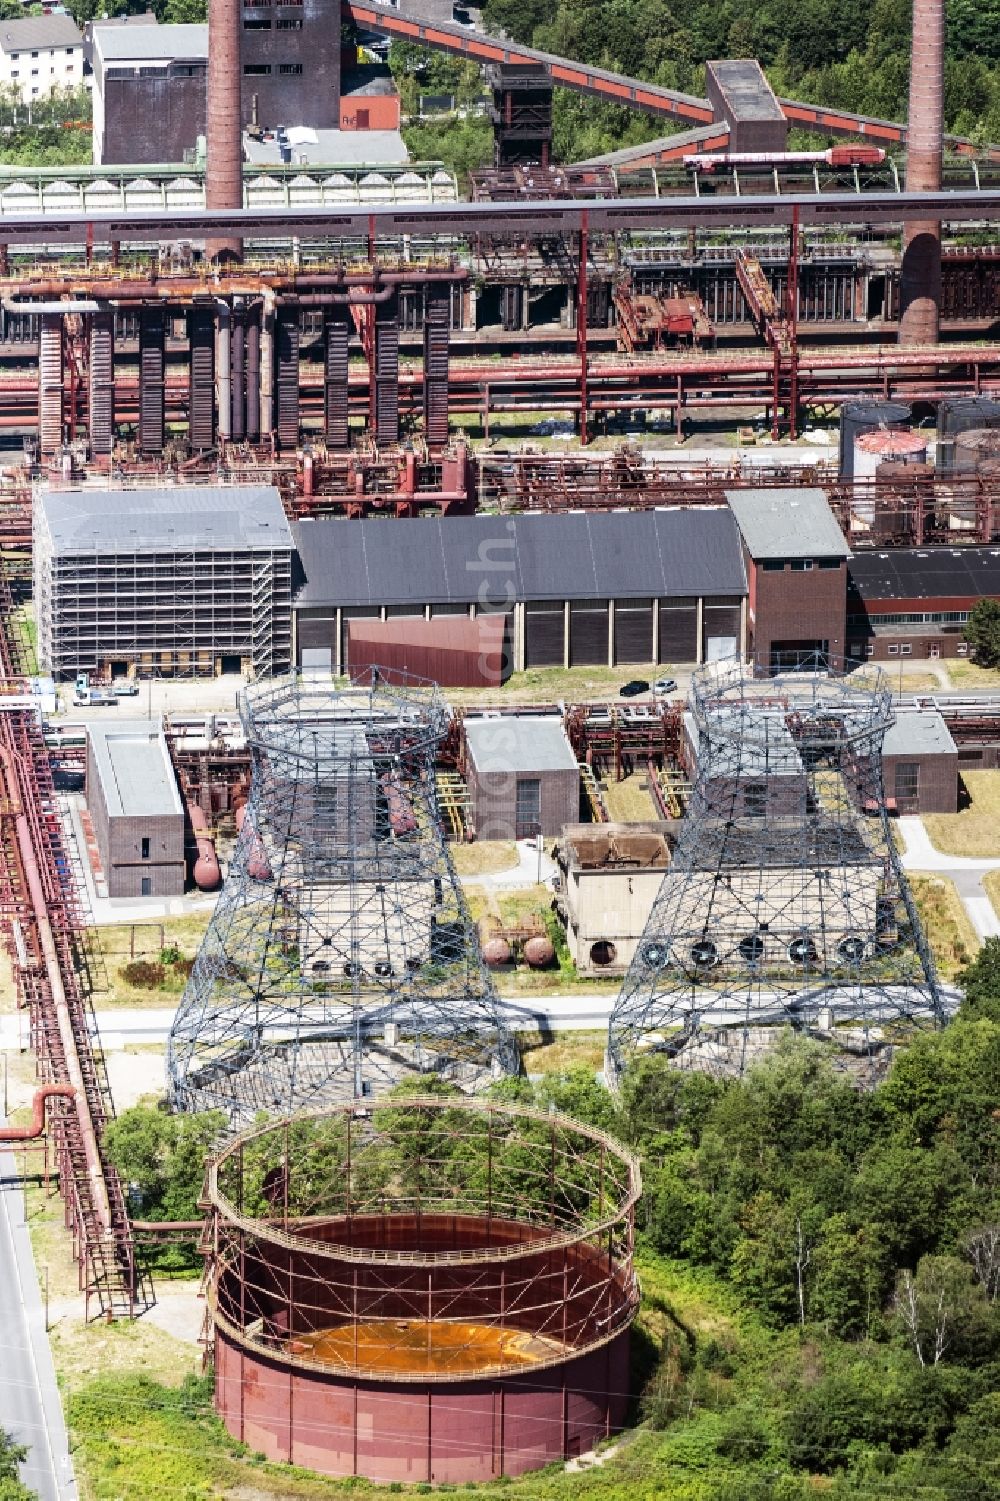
(37, 1126)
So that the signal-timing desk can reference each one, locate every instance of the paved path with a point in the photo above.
(30, 1408)
(966, 871)
(528, 871)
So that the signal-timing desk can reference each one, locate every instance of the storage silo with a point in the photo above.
(961, 414)
(858, 417)
(872, 451)
(974, 447)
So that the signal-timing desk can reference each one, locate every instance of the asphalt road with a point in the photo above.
(30, 1408)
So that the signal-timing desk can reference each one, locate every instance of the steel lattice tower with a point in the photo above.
(341, 955)
(785, 902)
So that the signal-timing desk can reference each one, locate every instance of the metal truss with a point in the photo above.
(785, 902)
(341, 956)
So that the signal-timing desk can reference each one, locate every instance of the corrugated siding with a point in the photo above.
(634, 631)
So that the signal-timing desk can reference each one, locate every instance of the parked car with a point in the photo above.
(634, 688)
(663, 686)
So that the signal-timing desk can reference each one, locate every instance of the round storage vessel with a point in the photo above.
(858, 417)
(973, 447)
(424, 1290)
(871, 451)
(960, 415)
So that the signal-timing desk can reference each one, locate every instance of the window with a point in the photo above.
(905, 649)
(907, 783)
(34, 74)
(290, 68)
(528, 807)
(256, 70)
(893, 650)
(869, 648)
(962, 649)
(289, 23)
(256, 24)
(801, 565)
(828, 563)
(755, 799)
(146, 887)
(69, 51)
(774, 565)
(856, 649)
(14, 72)
(34, 54)
(144, 849)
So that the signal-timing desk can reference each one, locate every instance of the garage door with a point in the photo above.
(543, 635)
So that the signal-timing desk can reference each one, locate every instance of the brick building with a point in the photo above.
(522, 775)
(915, 601)
(136, 809)
(920, 763)
(796, 565)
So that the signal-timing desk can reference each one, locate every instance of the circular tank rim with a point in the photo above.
(885, 440)
(265, 1230)
(290, 1360)
(415, 710)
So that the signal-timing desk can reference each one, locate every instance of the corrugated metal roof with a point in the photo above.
(167, 519)
(133, 764)
(787, 524)
(495, 560)
(925, 573)
(126, 44)
(35, 32)
(510, 744)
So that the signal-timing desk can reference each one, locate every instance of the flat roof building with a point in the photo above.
(920, 763)
(741, 95)
(915, 601)
(163, 582)
(523, 776)
(135, 807)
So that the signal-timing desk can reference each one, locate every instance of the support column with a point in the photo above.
(50, 383)
(224, 369)
(267, 367)
(287, 368)
(151, 394)
(581, 320)
(337, 334)
(437, 335)
(201, 399)
(238, 423)
(253, 376)
(102, 383)
(386, 357)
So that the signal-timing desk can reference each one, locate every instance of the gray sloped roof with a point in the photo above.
(165, 519)
(781, 523)
(494, 560)
(39, 31)
(145, 43)
(510, 744)
(134, 768)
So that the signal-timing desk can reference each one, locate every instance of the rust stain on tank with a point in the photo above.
(418, 1347)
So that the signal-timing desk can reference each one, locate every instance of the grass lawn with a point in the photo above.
(991, 884)
(970, 675)
(976, 829)
(483, 856)
(116, 942)
(547, 685)
(629, 800)
(949, 931)
(551, 1053)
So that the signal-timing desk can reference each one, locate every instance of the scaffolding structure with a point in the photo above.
(341, 956)
(785, 903)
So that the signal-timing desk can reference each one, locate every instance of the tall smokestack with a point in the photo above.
(224, 145)
(921, 272)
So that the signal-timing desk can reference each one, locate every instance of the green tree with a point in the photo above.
(162, 1158)
(12, 1456)
(983, 632)
(942, 1312)
(981, 982)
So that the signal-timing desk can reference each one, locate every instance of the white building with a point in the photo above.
(39, 54)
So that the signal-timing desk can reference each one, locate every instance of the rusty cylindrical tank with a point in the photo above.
(539, 953)
(920, 286)
(414, 1293)
(206, 871)
(224, 132)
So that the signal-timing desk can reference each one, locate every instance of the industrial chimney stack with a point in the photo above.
(921, 272)
(224, 145)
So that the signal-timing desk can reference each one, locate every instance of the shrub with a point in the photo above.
(144, 974)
